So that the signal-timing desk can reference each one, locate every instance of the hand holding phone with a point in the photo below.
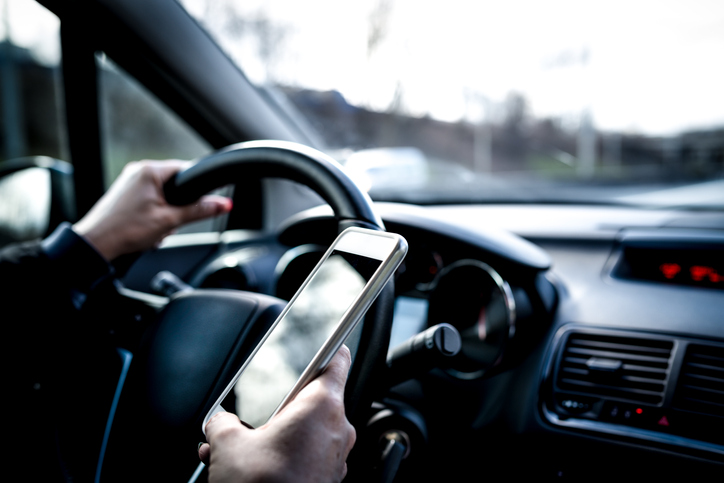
(315, 323)
(312, 434)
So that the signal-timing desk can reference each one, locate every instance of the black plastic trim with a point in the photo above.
(617, 430)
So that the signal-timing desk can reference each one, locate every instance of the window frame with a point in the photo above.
(166, 50)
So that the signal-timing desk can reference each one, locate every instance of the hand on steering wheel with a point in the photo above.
(133, 214)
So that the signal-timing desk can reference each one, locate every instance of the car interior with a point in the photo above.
(590, 332)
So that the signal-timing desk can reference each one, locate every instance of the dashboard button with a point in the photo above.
(575, 405)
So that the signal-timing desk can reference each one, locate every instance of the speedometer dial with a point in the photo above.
(474, 298)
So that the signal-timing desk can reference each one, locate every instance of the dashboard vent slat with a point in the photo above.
(630, 349)
(701, 382)
(641, 367)
(629, 356)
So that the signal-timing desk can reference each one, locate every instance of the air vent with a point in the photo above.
(627, 369)
(701, 381)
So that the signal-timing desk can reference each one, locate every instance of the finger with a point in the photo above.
(205, 207)
(222, 425)
(204, 453)
(340, 363)
(335, 374)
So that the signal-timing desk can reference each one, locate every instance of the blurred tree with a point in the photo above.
(377, 25)
(512, 137)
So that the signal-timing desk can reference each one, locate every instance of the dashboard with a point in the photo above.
(592, 337)
(630, 367)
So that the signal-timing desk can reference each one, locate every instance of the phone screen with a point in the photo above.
(295, 340)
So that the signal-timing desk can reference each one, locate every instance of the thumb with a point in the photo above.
(336, 372)
(222, 430)
(224, 425)
(204, 453)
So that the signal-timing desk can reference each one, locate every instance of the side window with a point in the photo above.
(31, 119)
(136, 125)
(32, 124)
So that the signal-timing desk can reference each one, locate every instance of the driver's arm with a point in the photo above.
(308, 441)
(133, 214)
(45, 284)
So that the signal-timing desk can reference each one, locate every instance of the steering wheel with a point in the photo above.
(193, 350)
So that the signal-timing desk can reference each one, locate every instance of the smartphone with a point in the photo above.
(315, 323)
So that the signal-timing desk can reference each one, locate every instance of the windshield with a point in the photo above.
(477, 101)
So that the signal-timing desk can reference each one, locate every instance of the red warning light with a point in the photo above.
(669, 270)
(700, 273)
(639, 410)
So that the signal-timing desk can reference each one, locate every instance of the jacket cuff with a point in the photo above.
(76, 258)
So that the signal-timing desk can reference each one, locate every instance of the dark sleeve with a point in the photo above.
(77, 266)
(43, 285)
(63, 267)
(49, 353)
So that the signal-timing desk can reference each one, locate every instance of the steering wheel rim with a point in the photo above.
(351, 206)
(276, 159)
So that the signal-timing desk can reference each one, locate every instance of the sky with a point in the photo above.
(647, 66)
(651, 66)
(31, 26)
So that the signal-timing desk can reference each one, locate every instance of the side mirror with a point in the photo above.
(36, 195)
